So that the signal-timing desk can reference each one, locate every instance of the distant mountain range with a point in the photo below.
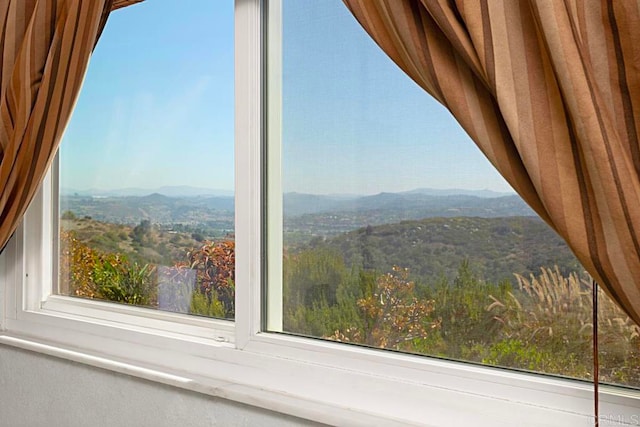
(189, 191)
(169, 191)
(459, 192)
(416, 204)
(306, 213)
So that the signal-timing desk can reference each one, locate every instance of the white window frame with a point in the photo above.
(318, 380)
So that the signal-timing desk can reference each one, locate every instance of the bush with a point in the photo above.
(89, 273)
(393, 317)
(118, 280)
(215, 265)
(68, 215)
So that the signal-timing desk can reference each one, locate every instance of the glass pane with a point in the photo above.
(397, 233)
(147, 165)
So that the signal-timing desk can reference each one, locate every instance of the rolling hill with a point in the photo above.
(496, 248)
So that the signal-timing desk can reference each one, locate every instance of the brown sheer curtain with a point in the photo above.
(45, 47)
(550, 92)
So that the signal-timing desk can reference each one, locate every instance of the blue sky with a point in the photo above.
(156, 108)
(157, 103)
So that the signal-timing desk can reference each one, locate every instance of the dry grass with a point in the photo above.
(553, 313)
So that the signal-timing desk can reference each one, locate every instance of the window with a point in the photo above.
(397, 233)
(146, 165)
(256, 359)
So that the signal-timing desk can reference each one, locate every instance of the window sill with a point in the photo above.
(341, 394)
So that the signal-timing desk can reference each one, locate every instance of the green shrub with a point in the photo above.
(68, 215)
(118, 280)
(204, 305)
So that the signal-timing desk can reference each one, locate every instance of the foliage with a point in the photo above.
(68, 215)
(313, 276)
(88, 273)
(320, 293)
(141, 232)
(393, 317)
(77, 262)
(202, 305)
(461, 307)
(194, 286)
(494, 248)
(111, 276)
(118, 280)
(148, 244)
(544, 324)
(552, 314)
(516, 354)
(215, 263)
(348, 289)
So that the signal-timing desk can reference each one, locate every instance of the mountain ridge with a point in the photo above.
(192, 191)
(167, 190)
(296, 204)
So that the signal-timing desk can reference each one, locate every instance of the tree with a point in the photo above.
(462, 307)
(140, 233)
(393, 316)
(68, 215)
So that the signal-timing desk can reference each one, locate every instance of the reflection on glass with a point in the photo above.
(146, 165)
(398, 234)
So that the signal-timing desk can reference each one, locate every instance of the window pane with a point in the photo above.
(146, 165)
(397, 233)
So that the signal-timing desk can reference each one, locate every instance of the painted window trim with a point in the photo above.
(322, 381)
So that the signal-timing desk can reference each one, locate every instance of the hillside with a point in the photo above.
(305, 215)
(209, 212)
(496, 248)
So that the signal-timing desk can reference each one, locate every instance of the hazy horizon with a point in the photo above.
(222, 192)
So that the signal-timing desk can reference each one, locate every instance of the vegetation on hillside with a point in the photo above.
(203, 283)
(372, 287)
(495, 248)
(542, 324)
(143, 243)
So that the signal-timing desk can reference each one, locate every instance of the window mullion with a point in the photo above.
(274, 205)
(248, 167)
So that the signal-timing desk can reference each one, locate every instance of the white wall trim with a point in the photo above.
(306, 390)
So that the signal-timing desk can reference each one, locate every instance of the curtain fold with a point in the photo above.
(117, 4)
(45, 47)
(549, 91)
